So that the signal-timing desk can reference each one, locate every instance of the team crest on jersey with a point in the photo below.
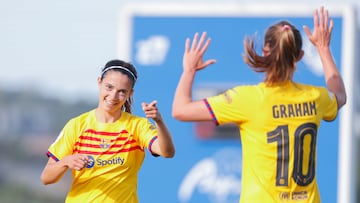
(104, 143)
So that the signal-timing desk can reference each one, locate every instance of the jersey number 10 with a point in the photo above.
(281, 136)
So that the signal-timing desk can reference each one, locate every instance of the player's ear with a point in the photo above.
(99, 81)
(300, 55)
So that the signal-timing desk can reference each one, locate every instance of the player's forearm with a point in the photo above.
(333, 78)
(53, 172)
(183, 95)
(166, 145)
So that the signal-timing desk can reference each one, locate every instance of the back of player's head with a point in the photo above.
(282, 48)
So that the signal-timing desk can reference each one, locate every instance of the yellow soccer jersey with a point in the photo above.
(278, 129)
(116, 150)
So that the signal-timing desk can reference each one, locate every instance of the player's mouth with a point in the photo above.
(110, 103)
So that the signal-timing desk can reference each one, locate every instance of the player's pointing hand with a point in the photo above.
(151, 110)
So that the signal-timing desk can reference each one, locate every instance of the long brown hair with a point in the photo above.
(282, 48)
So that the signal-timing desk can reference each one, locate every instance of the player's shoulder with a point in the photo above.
(132, 118)
(312, 88)
(307, 86)
(319, 92)
(82, 119)
(85, 115)
(245, 88)
(135, 122)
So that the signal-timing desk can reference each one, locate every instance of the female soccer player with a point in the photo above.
(278, 118)
(104, 148)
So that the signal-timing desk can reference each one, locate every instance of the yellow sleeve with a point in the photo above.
(329, 104)
(234, 105)
(64, 143)
(145, 132)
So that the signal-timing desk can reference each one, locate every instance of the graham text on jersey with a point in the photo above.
(294, 110)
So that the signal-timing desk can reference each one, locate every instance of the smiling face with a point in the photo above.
(115, 88)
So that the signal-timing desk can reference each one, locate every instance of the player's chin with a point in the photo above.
(111, 108)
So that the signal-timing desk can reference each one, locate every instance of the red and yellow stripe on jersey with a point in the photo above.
(278, 129)
(116, 150)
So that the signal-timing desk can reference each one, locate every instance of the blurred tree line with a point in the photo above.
(29, 123)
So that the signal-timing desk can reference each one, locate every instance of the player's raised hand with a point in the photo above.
(323, 26)
(193, 55)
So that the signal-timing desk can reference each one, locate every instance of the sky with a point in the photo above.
(59, 47)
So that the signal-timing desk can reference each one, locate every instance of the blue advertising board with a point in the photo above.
(207, 164)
